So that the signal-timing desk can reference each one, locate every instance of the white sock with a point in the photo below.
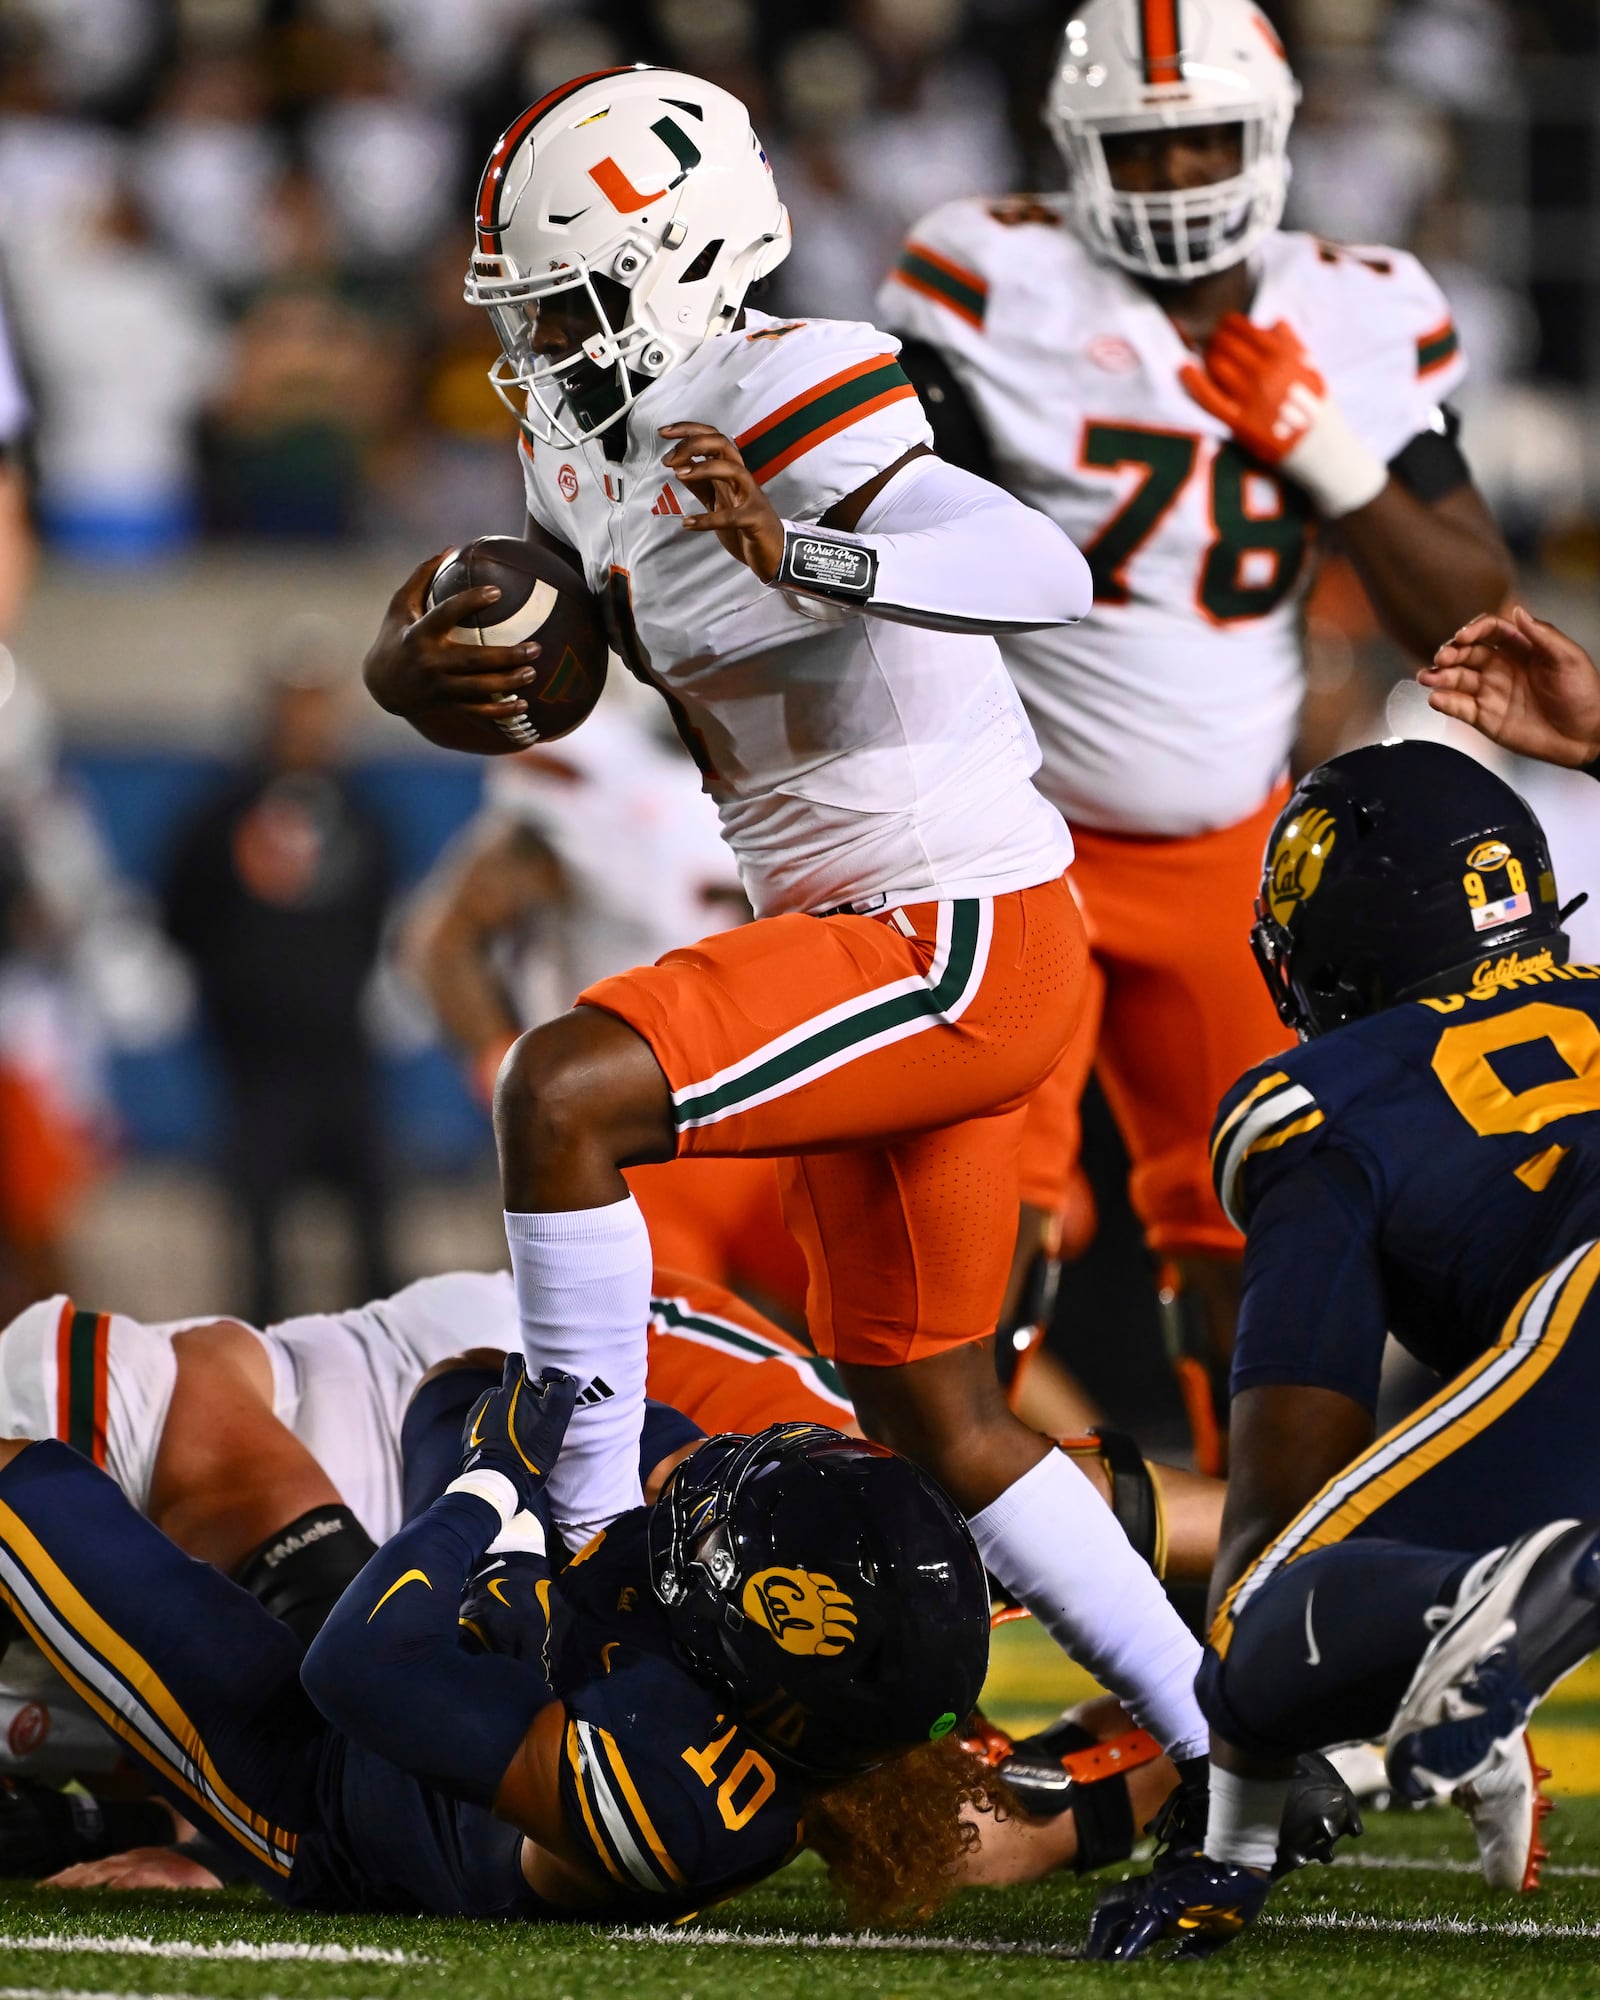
(1057, 1547)
(1243, 1818)
(583, 1295)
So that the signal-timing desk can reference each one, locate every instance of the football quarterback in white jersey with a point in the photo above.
(814, 593)
(1197, 397)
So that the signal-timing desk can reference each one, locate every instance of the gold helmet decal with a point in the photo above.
(805, 1611)
(1298, 861)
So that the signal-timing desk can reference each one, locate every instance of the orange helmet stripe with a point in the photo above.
(1158, 33)
(494, 169)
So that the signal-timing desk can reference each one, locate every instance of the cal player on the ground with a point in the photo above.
(589, 855)
(477, 1733)
(1196, 396)
(1427, 1164)
(814, 594)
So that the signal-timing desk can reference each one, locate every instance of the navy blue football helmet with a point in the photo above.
(1394, 872)
(829, 1586)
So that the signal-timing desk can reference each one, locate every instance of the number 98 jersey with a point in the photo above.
(1415, 1173)
(1171, 708)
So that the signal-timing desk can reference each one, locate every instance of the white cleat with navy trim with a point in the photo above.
(1525, 1617)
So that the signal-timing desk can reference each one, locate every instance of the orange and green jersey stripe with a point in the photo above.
(821, 412)
(1435, 349)
(959, 290)
(82, 1339)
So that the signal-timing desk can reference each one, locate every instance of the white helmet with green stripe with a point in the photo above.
(620, 222)
(1139, 66)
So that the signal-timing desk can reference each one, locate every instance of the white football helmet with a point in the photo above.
(644, 188)
(1154, 65)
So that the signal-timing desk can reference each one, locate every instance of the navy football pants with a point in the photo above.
(1318, 1640)
(197, 1679)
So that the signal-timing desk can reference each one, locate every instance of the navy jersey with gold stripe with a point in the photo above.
(1413, 1172)
(678, 1804)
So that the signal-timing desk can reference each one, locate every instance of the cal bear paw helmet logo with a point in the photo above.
(805, 1611)
(1297, 865)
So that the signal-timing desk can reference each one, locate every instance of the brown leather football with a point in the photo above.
(542, 597)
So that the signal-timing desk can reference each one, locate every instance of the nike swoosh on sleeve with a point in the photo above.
(400, 1585)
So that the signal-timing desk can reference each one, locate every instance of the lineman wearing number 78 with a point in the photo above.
(1197, 397)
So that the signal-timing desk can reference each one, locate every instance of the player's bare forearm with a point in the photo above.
(505, 875)
(1286, 1443)
(1427, 568)
(450, 958)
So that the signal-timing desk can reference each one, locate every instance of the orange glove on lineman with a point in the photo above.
(1259, 381)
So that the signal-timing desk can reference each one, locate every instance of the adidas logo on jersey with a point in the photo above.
(668, 501)
(598, 1391)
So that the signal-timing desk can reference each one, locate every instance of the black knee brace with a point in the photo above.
(1135, 1497)
(300, 1573)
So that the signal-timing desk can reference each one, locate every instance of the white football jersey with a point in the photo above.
(853, 761)
(1171, 708)
(641, 853)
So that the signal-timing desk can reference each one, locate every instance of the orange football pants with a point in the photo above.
(886, 1062)
(1174, 1013)
(719, 1361)
(723, 1218)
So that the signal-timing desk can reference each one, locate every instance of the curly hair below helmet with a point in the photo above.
(894, 1838)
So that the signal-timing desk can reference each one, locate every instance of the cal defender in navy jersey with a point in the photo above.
(1413, 1173)
(473, 1735)
(1427, 1162)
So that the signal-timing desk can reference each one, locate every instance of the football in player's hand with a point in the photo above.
(543, 598)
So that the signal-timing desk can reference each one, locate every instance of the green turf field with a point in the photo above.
(1403, 1914)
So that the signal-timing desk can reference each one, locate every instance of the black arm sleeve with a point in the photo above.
(958, 433)
(1433, 465)
(388, 1669)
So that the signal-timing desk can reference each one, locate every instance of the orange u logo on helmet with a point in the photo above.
(623, 196)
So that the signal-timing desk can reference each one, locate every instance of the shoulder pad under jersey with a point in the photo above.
(1268, 1121)
(817, 407)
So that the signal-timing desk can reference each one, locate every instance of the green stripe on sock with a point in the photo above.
(928, 1002)
(763, 449)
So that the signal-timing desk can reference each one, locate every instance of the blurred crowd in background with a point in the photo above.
(233, 229)
(232, 239)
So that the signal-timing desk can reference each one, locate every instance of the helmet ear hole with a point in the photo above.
(701, 267)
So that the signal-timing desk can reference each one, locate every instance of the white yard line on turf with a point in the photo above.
(1515, 1927)
(73, 1942)
(1451, 1865)
(98, 1993)
(833, 1941)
